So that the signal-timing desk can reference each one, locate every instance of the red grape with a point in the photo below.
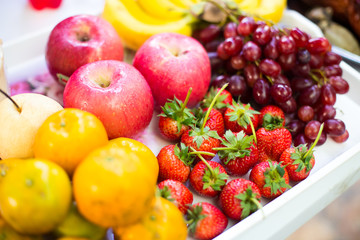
(261, 91)
(334, 127)
(312, 129)
(246, 26)
(306, 113)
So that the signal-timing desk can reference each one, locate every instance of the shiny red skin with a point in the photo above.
(231, 205)
(66, 51)
(182, 196)
(169, 130)
(212, 225)
(274, 111)
(207, 145)
(235, 127)
(257, 176)
(240, 166)
(272, 143)
(170, 166)
(196, 178)
(285, 159)
(42, 4)
(216, 122)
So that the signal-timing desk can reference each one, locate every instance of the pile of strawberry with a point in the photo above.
(243, 141)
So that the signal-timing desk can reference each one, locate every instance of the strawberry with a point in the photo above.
(300, 160)
(271, 114)
(205, 221)
(238, 153)
(175, 118)
(272, 142)
(175, 162)
(222, 102)
(208, 178)
(215, 120)
(241, 116)
(271, 178)
(177, 193)
(239, 198)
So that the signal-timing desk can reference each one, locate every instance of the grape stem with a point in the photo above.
(226, 11)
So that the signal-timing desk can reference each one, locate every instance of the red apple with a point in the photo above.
(115, 92)
(172, 63)
(79, 40)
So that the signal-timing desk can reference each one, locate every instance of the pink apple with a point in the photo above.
(79, 40)
(115, 92)
(172, 63)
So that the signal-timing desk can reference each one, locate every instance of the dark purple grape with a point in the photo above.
(280, 92)
(318, 45)
(287, 61)
(300, 37)
(326, 112)
(310, 95)
(331, 58)
(306, 113)
(237, 85)
(261, 91)
(246, 26)
(269, 67)
(286, 45)
(328, 95)
(233, 45)
(220, 81)
(340, 85)
(251, 73)
(301, 70)
(333, 70)
(312, 129)
(215, 61)
(209, 33)
(262, 34)
(229, 69)
(221, 52)
(334, 127)
(295, 127)
(282, 79)
(230, 30)
(316, 61)
(270, 50)
(341, 138)
(251, 51)
(213, 45)
(238, 62)
(289, 106)
(303, 56)
(301, 139)
(300, 83)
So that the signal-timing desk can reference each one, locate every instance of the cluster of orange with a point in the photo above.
(79, 184)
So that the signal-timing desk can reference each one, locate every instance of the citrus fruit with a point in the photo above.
(164, 221)
(8, 164)
(113, 186)
(67, 136)
(35, 196)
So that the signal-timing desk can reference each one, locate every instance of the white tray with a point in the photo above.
(337, 165)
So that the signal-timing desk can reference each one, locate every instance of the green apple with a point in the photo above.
(19, 124)
(75, 225)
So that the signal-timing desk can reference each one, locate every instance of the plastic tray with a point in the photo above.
(337, 165)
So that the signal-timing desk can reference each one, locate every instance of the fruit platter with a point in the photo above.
(327, 147)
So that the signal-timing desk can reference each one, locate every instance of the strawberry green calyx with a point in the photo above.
(177, 110)
(219, 104)
(302, 155)
(242, 114)
(184, 154)
(249, 202)
(274, 178)
(235, 146)
(165, 193)
(272, 122)
(212, 176)
(193, 216)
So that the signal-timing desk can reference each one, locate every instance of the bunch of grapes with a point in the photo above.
(265, 64)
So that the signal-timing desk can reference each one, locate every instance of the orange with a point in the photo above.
(67, 136)
(8, 164)
(35, 196)
(113, 186)
(164, 221)
(6, 232)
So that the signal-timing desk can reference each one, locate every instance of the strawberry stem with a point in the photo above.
(252, 128)
(211, 106)
(258, 204)
(225, 148)
(12, 100)
(204, 161)
(316, 140)
(203, 153)
(186, 100)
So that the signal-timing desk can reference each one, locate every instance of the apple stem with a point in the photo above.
(12, 100)
(211, 106)
(186, 99)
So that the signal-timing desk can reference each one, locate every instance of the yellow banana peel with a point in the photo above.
(163, 9)
(133, 30)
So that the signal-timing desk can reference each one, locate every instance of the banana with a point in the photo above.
(184, 3)
(133, 30)
(163, 9)
(247, 4)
